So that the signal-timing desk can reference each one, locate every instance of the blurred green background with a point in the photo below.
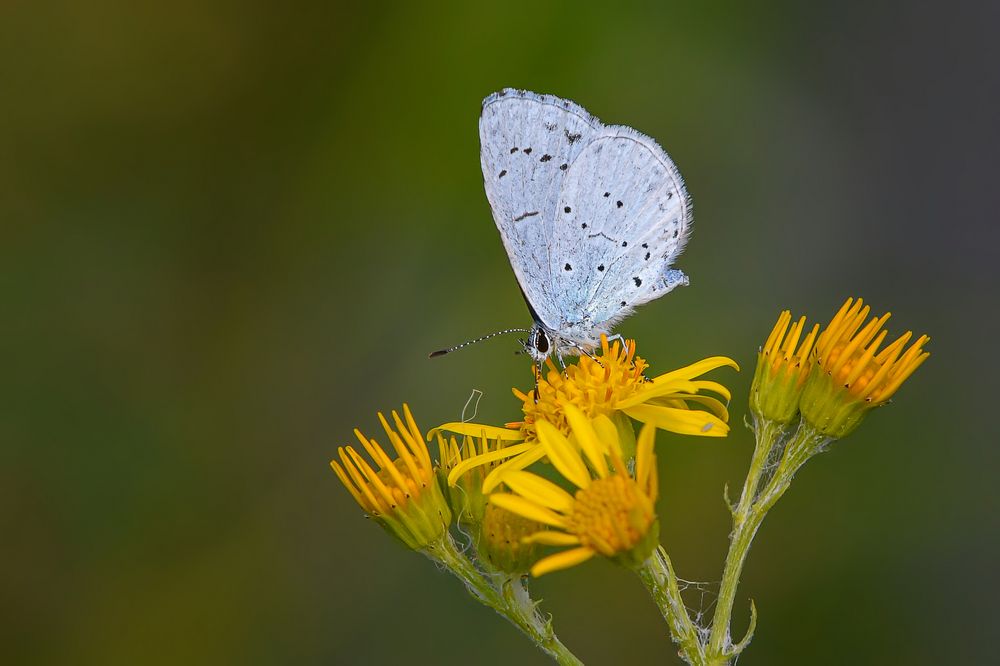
(232, 231)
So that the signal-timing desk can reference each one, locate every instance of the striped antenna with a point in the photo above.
(442, 352)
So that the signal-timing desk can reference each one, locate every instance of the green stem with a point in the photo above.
(747, 518)
(767, 433)
(508, 597)
(657, 574)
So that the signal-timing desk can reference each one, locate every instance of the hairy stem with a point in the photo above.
(745, 524)
(507, 596)
(657, 574)
(747, 518)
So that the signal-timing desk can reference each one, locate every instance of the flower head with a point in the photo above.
(782, 370)
(616, 382)
(851, 375)
(465, 495)
(403, 496)
(502, 540)
(611, 513)
(612, 385)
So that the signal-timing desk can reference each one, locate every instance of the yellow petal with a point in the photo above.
(586, 437)
(714, 406)
(351, 488)
(562, 454)
(425, 456)
(644, 459)
(552, 538)
(538, 490)
(656, 389)
(682, 421)
(714, 387)
(606, 430)
(563, 560)
(697, 369)
(534, 453)
(523, 507)
(483, 459)
(479, 430)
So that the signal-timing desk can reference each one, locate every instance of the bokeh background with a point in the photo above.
(232, 231)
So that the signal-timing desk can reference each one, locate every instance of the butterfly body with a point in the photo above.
(592, 216)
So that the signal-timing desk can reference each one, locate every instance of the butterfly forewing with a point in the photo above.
(528, 143)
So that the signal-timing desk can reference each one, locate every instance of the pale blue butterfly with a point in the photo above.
(592, 217)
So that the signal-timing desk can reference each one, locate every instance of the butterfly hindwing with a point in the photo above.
(623, 218)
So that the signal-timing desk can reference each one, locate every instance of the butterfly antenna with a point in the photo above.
(442, 352)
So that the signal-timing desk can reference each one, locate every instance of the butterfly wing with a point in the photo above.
(623, 217)
(528, 142)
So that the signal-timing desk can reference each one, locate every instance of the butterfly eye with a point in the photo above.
(541, 341)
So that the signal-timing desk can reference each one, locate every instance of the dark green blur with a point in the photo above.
(230, 232)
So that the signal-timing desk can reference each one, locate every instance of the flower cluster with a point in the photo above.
(834, 377)
(403, 496)
(571, 474)
(579, 421)
(613, 385)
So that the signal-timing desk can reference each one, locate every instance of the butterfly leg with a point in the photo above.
(584, 352)
(617, 337)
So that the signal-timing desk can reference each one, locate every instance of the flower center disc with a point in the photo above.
(611, 515)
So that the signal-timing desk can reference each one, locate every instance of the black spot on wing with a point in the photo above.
(502, 174)
(527, 151)
(513, 150)
(567, 267)
(601, 268)
(524, 215)
(619, 204)
(637, 281)
(572, 138)
(545, 158)
(563, 166)
(567, 209)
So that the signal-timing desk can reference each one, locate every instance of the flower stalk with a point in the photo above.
(507, 595)
(657, 574)
(747, 517)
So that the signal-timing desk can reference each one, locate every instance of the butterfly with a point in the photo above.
(592, 217)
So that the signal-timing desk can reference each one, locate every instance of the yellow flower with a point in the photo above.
(611, 385)
(851, 375)
(468, 503)
(612, 511)
(782, 370)
(497, 533)
(615, 382)
(403, 496)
